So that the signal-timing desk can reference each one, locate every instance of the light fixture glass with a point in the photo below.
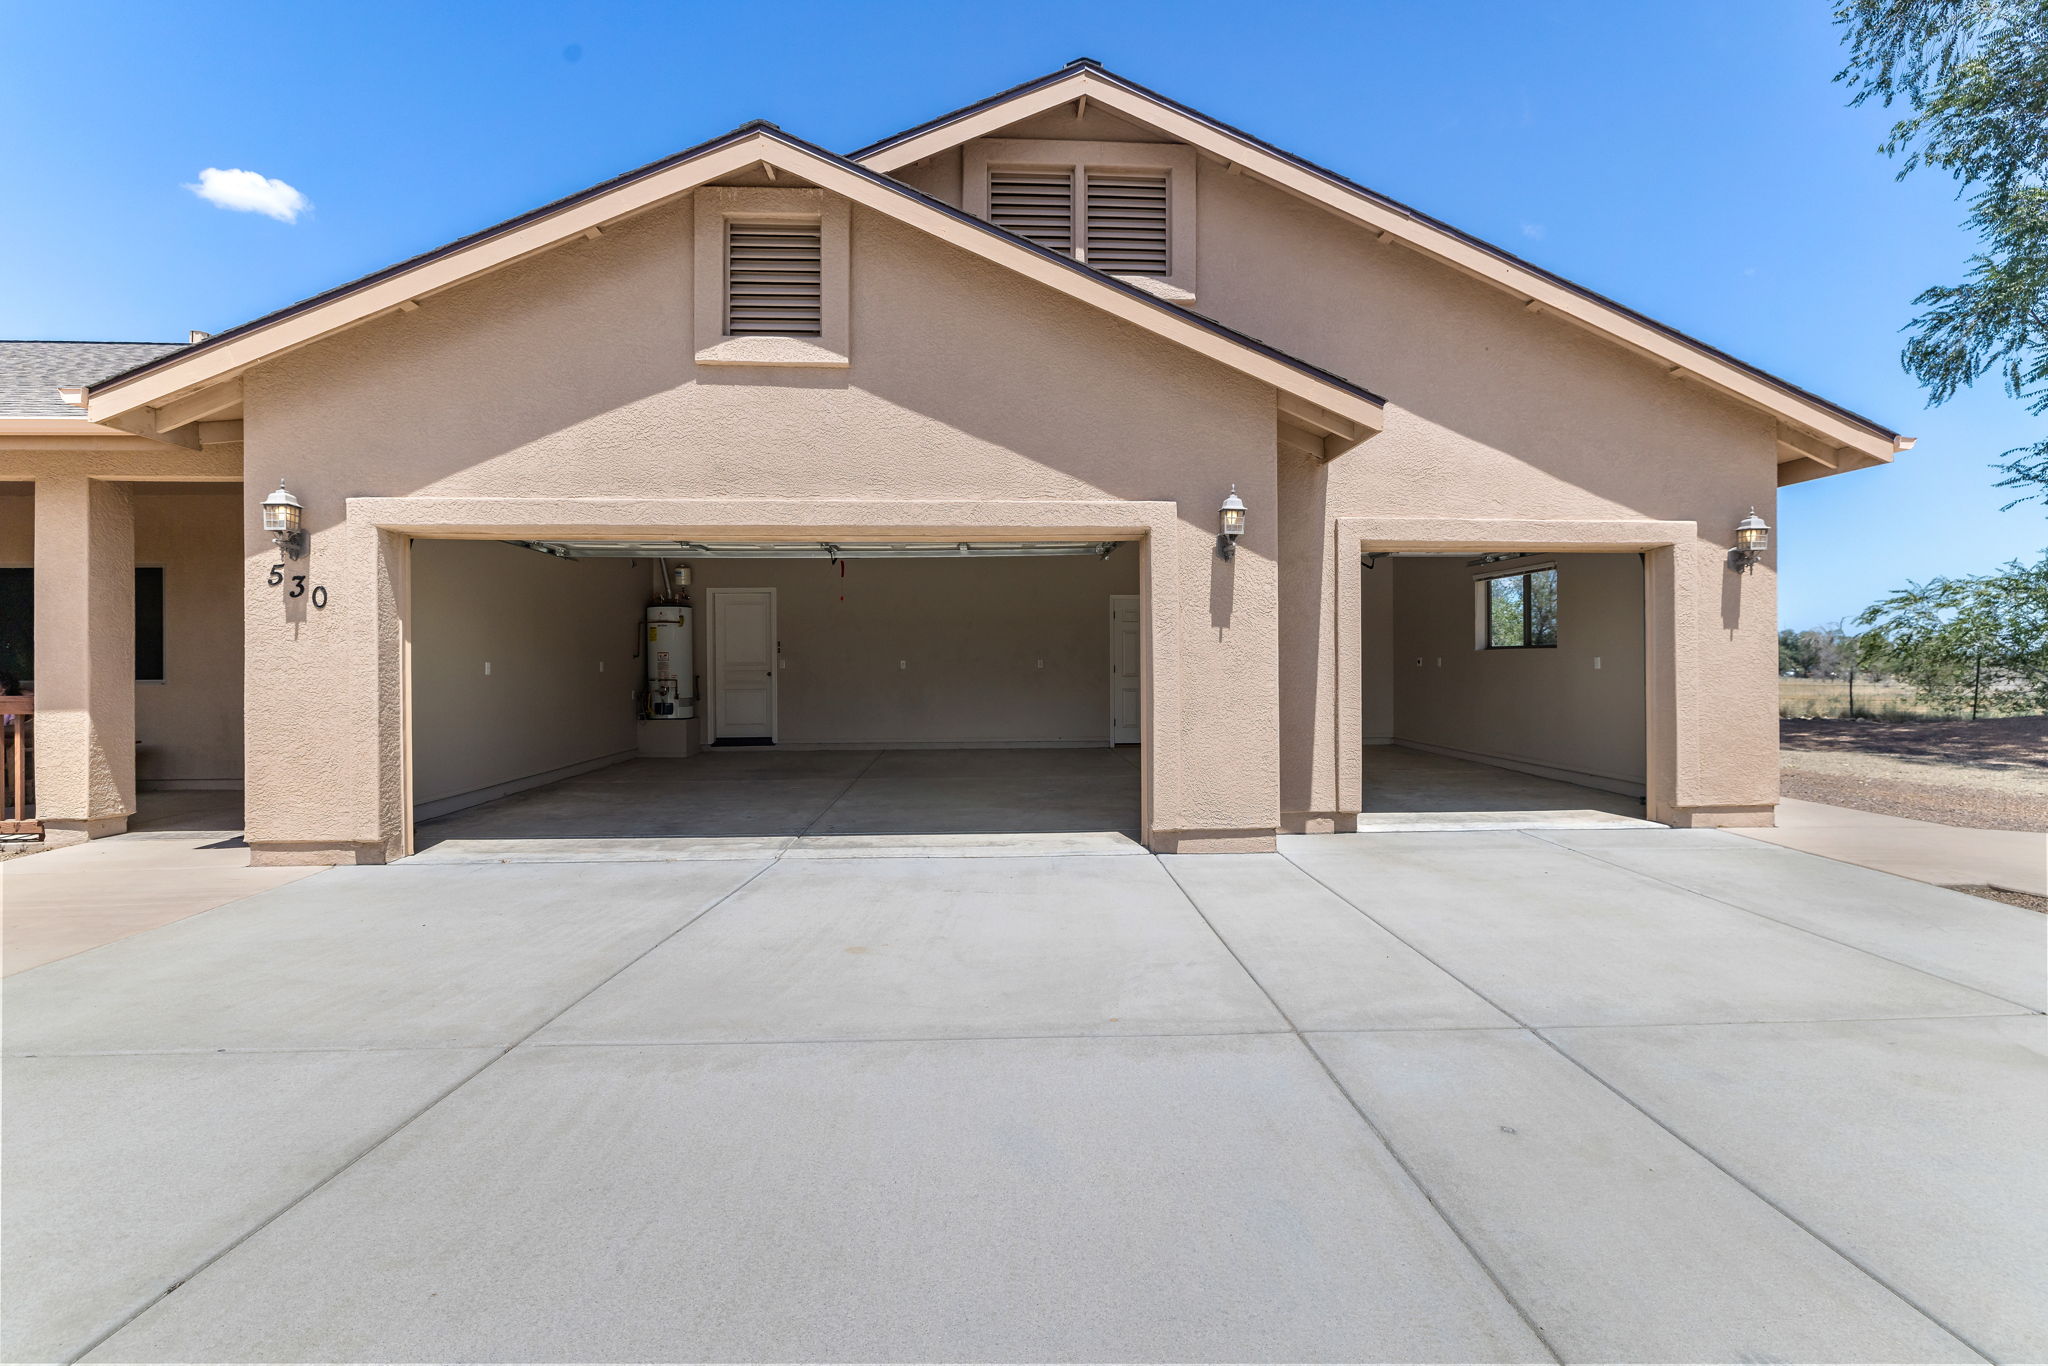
(282, 513)
(1752, 534)
(1231, 515)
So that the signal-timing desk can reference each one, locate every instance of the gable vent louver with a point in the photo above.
(1126, 231)
(773, 279)
(1036, 205)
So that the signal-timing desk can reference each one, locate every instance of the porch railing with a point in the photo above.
(17, 761)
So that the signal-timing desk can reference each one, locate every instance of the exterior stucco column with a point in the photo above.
(84, 657)
(324, 678)
(1309, 645)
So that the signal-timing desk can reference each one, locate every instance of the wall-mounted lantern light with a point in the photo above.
(1752, 539)
(283, 518)
(1230, 524)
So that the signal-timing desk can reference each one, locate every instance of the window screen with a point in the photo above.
(18, 624)
(1521, 610)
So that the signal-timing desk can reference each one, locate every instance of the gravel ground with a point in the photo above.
(1988, 775)
(2027, 900)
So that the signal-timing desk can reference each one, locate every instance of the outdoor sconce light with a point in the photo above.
(1752, 539)
(283, 519)
(1230, 524)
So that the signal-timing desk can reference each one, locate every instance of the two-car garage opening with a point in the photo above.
(577, 699)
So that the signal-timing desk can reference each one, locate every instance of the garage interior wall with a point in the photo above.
(1551, 709)
(934, 652)
(544, 625)
(188, 728)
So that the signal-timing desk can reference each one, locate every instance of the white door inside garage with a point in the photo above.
(742, 659)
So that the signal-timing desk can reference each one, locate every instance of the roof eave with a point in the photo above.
(1685, 356)
(400, 287)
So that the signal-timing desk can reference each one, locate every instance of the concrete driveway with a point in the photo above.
(1591, 1095)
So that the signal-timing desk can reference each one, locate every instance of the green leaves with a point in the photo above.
(1978, 643)
(1974, 73)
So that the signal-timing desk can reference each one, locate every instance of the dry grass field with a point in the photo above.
(1803, 697)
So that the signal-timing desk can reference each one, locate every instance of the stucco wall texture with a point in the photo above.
(570, 376)
(1493, 412)
(189, 727)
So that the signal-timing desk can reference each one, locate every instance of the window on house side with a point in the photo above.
(18, 624)
(149, 625)
(1521, 610)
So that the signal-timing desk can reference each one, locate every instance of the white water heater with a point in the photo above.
(671, 685)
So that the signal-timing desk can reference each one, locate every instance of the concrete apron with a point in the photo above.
(754, 804)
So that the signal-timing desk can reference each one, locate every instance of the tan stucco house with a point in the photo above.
(942, 431)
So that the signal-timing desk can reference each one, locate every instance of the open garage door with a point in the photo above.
(1503, 689)
(680, 698)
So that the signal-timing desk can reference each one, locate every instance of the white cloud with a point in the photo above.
(248, 192)
(1534, 230)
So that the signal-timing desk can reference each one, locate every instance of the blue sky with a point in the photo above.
(1693, 161)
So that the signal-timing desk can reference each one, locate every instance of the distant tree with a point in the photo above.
(1795, 653)
(1974, 74)
(1978, 643)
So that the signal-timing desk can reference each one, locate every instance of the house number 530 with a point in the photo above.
(277, 576)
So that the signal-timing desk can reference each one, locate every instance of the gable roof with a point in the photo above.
(1343, 409)
(1820, 426)
(31, 372)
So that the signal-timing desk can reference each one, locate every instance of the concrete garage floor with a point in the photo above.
(1585, 1095)
(746, 802)
(1410, 789)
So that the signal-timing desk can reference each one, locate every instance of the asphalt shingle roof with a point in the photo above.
(31, 372)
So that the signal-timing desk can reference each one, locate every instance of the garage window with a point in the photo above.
(1519, 610)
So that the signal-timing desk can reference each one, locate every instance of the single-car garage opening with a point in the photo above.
(1502, 689)
(669, 698)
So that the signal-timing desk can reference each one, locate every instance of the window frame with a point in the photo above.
(1179, 162)
(717, 208)
(1482, 585)
(163, 604)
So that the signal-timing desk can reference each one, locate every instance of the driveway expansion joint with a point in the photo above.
(1408, 1171)
(1789, 1217)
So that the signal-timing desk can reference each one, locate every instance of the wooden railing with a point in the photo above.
(17, 758)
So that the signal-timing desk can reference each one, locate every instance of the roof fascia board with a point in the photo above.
(1473, 258)
(210, 363)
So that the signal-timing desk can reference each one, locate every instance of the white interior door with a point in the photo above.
(742, 641)
(1126, 688)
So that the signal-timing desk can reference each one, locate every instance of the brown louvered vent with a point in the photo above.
(1127, 224)
(1036, 205)
(772, 279)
